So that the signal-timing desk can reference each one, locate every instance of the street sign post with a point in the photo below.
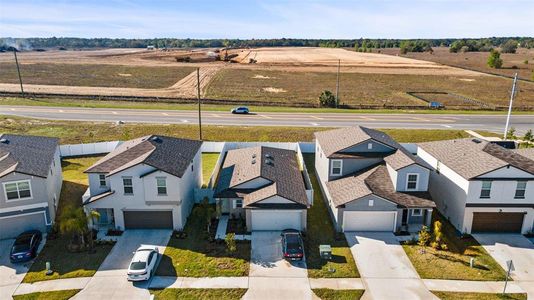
(510, 265)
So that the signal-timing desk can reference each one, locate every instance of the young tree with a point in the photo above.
(511, 134)
(327, 99)
(74, 222)
(529, 138)
(229, 239)
(494, 60)
(207, 212)
(424, 238)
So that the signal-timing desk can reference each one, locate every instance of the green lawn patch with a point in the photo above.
(208, 163)
(64, 263)
(329, 294)
(198, 255)
(454, 263)
(478, 296)
(195, 294)
(320, 230)
(53, 295)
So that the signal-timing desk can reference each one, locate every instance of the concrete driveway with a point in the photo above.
(515, 247)
(110, 282)
(11, 275)
(385, 268)
(270, 275)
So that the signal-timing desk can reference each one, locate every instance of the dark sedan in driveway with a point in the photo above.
(25, 246)
(292, 246)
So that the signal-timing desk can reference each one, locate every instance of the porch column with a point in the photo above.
(428, 217)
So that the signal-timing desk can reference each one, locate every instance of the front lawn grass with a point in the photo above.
(74, 132)
(52, 295)
(478, 296)
(197, 256)
(329, 294)
(320, 230)
(195, 294)
(454, 263)
(66, 264)
(208, 163)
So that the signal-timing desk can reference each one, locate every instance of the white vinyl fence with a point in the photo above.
(88, 149)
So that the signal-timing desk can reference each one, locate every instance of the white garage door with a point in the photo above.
(13, 226)
(369, 220)
(276, 219)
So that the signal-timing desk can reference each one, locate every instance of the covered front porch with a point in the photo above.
(413, 219)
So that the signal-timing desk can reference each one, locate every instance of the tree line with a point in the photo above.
(363, 45)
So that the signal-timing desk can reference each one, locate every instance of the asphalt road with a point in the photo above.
(425, 121)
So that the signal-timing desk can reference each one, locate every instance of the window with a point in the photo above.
(371, 202)
(337, 166)
(161, 183)
(238, 203)
(520, 190)
(18, 190)
(486, 189)
(127, 185)
(102, 179)
(370, 146)
(411, 181)
(417, 212)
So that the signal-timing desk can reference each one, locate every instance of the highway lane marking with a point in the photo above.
(420, 119)
(447, 126)
(266, 117)
(315, 124)
(165, 114)
(12, 109)
(114, 112)
(317, 118)
(366, 118)
(215, 115)
(61, 111)
(185, 121)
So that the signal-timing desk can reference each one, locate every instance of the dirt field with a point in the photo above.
(360, 89)
(478, 60)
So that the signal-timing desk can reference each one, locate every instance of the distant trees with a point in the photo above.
(509, 46)
(482, 45)
(415, 46)
(494, 59)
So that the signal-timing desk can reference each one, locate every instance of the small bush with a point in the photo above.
(230, 243)
(435, 245)
(444, 247)
(327, 99)
(525, 61)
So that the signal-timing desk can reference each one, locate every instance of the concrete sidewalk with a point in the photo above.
(52, 285)
(471, 286)
(337, 283)
(161, 282)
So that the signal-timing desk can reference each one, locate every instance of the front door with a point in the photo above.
(225, 206)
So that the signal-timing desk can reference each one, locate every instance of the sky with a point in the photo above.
(328, 19)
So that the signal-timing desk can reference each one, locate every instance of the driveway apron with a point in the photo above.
(385, 268)
(110, 281)
(11, 275)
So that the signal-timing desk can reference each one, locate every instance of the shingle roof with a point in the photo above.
(471, 158)
(27, 154)
(169, 154)
(375, 181)
(284, 175)
(526, 152)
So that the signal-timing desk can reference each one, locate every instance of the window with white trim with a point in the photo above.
(411, 181)
(18, 190)
(102, 179)
(161, 183)
(417, 212)
(485, 191)
(337, 167)
(370, 146)
(238, 203)
(520, 190)
(371, 202)
(127, 185)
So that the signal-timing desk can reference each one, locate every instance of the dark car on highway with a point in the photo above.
(25, 246)
(240, 110)
(292, 246)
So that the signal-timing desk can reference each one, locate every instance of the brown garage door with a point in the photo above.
(497, 222)
(147, 219)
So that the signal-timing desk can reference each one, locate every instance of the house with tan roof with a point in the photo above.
(265, 186)
(480, 186)
(147, 182)
(371, 182)
(30, 180)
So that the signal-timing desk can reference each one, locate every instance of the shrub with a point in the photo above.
(424, 238)
(494, 60)
(327, 99)
(444, 247)
(435, 245)
(525, 61)
(230, 243)
(437, 232)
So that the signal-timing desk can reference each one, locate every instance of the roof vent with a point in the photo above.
(268, 156)
(156, 139)
(269, 162)
(4, 141)
(254, 155)
(476, 141)
(253, 161)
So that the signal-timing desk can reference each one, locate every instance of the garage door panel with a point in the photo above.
(148, 219)
(368, 221)
(276, 220)
(497, 222)
(13, 226)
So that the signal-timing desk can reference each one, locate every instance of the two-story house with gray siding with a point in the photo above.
(147, 182)
(30, 183)
(480, 186)
(371, 182)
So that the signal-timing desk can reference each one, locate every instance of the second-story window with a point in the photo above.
(486, 189)
(411, 181)
(18, 190)
(337, 166)
(127, 185)
(161, 182)
(102, 179)
(520, 190)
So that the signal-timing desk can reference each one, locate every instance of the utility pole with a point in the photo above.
(512, 95)
(337, 82)
(198, 97)
(18, 71)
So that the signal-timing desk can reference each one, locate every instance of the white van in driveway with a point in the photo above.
(143, 263)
